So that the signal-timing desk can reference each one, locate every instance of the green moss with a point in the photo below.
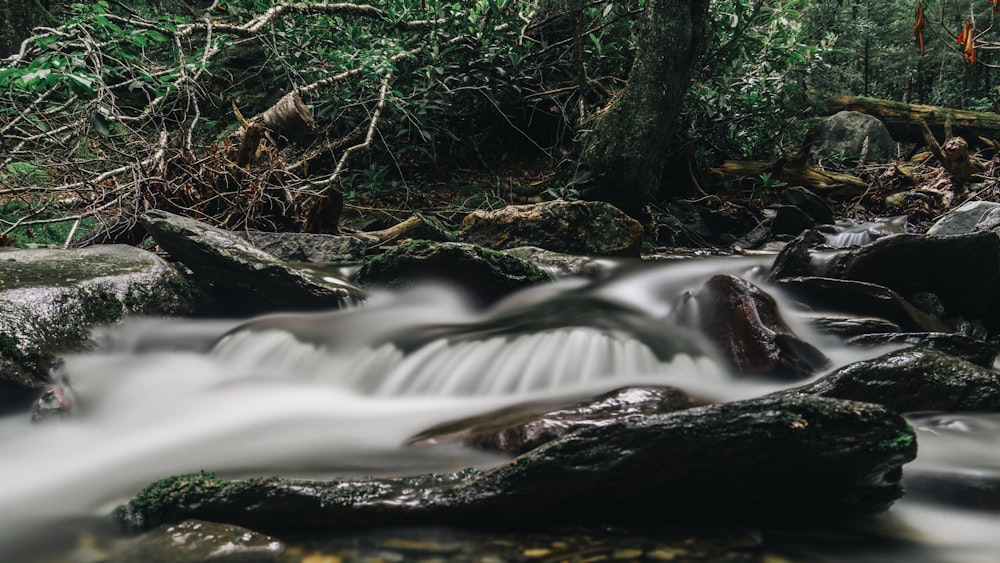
(171, 492)
(904, 441)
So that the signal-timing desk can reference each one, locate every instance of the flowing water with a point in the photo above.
(336, 393)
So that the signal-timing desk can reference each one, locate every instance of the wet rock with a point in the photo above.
(770, 459)
(485, 274)
(971, 217)
(520, 428)
(557, 264)
(848, 326)
(851, 135)
(309, 247)
(806, 200)
(962, 270)
(913, 379)
(958, 345)
(796, 259)
(745, 325)
(257, 280)
(208, 542)
(51, 299)
(571, 227)
(791, 220)
(859, 298)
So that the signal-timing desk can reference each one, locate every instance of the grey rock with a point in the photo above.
(309, 247)
(959, 345)
(806, 200)
(849, 135)
(967, 218)
(50, 300)
(257, 279)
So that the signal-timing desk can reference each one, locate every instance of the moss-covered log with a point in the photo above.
(797, 172)
(903, 120)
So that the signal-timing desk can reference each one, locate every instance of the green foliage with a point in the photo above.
(753, 79)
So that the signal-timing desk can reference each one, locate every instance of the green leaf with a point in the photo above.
(101, 124)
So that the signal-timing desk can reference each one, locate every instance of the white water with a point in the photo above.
(337, 393)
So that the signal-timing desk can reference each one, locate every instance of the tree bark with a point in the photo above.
(624, 153)
(903, 120)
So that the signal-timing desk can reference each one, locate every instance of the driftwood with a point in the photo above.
(954, 156)
(903, 120)
(796, 172)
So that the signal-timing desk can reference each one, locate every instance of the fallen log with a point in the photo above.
(903, 120)
(797, 172)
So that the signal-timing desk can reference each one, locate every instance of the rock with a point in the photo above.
(962, 270)
(51, 299)
(309, 247)
(791, 220)
(859, 298)
(958, 345)
(813, 205)
(520, 428)
(913, 379)
(851, 135)
(571, 227)
(257, 280)
(846, 326)
(486, 274)
(745, 325)
(762, 460)
(208, 542)
(557, 264)
(971, 217)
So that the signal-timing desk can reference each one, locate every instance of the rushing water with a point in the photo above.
(336, 393)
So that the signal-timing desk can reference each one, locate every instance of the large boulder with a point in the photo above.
(962, 270)
(51, 299)
(770, 459)
(571, 227)
(309, 247)
(851, 135)
(744, 323)
(485, 274)
(520, 428)
(913, 379)
(257, 280)
(970, 217)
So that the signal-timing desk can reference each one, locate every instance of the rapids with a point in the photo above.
(336, 393)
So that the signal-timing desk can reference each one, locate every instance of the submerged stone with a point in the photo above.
(520, 428)
(207, 542)
(913, 379)
(772, 459)
(485, 274)
(571, 227)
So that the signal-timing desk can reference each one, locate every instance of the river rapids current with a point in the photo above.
(336, 393)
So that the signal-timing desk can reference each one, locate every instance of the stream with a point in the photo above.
(336, 393)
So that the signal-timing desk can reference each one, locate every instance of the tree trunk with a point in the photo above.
(625, 151)
(17, 18)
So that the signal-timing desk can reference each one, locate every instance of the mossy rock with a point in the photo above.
(572, 227)
(764, 460)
